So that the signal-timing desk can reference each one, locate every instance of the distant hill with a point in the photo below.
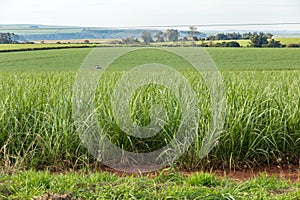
(32, 32)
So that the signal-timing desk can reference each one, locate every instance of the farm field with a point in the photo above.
(105, 41)
(38, 132)
(6, 47)
(226, 59)
(51, 44)
(243, 43)
(289, 40)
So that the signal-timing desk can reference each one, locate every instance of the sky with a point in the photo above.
(122, 13)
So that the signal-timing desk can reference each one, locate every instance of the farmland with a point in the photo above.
(261, 125)
(243, 43)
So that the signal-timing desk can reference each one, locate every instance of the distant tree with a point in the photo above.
(227, 44)
(218, 44)
(195, 38)
(246, 36)
(293, 45)
(211, 37)
(273, 43)
(147, 37)
(192, 33)
(234, 36)
(86, 41)
(184, 39)
(202, 41)
(131, 40)
(159, 36)
(258, 40)
(8, 38)
(221, 36)
(172, 35)
(233, 44)
(269, 35)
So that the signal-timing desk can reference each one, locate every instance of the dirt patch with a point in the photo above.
(290, 172)
(54, 197)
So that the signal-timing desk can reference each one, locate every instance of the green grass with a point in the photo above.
(167, 185)
(262, 121)
(50, 60)
(255, 59)
(289, 40)
(5, 47)
(225, 59)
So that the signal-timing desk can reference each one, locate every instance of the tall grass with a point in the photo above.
(36, 121)
(262, 121)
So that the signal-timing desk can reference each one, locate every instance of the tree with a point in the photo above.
(147, 37)
(8, 38)
(211, 37)
(221, 36)
(195, 38)
(293, 45)
(269, 35)
(131, 40)
(246, 36)
(172, 35)
(227, 44)
(159, 36)
(273, 43)
(233, 44)
(258, 40)
(234, 36)
(192, 33)
(202, 41)
(86, 41)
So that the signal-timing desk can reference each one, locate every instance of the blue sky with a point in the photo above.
(113, 13)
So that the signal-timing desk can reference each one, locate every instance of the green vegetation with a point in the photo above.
(51, 60)
(30, 47)
(38, 133)
(8, 38)
(262, 122)
(167, 185)
(289, 40)
(225, 59)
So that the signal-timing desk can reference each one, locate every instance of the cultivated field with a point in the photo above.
(262, 123)
(243, 43)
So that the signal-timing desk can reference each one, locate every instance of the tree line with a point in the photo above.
(171, 35)
(8, 38)
(259, 40)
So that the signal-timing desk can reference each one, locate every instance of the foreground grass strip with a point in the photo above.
(167, 185)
